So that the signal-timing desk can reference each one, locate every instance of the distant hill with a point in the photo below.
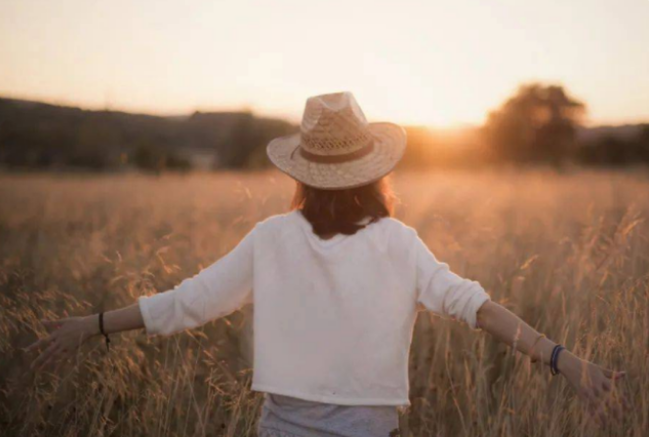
(34, 134)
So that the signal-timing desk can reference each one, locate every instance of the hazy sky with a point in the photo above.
(429, 62)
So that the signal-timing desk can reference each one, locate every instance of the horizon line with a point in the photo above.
(286, 116)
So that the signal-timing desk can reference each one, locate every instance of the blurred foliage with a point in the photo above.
(539, 124)
(155, 159)
(617, 151)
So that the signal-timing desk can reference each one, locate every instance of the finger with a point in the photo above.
(606, 386)
(38, 344)
(619, 375)
(38, 362)
(53, 325)
(596, 392)
(607, 372)
(58, 357)
(613, 374)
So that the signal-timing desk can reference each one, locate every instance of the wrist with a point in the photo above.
(566, 361)
(91, 325)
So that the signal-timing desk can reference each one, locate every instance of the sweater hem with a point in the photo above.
(476, 303)
(332, 399)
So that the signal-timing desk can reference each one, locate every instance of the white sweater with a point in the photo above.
(333, 319)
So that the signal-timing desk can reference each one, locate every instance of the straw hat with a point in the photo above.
(336, 147)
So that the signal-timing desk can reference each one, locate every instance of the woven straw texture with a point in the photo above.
(333, 125)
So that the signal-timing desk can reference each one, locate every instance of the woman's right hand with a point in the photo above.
(596, 386)
(65, 337)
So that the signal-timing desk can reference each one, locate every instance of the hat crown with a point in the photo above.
(334, 124)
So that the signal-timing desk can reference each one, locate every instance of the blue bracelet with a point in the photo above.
(554, 358)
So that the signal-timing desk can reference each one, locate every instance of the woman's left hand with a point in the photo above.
(65, 337)
(596, 386)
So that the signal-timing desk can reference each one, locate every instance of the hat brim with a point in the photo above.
(389, 146)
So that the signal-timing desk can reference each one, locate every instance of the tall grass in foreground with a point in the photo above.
(568, 253)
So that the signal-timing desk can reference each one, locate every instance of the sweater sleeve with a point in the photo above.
(216, 291)
(444, 292)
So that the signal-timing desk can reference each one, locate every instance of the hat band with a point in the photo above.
(337, 159)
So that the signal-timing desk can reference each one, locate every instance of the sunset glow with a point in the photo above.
(437, 63)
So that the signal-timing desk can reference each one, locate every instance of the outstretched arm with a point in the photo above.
(508, 328)
(444, 292)
(595, 385)
(216, 291)
(67, 335)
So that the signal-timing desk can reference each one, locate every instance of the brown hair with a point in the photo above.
(339, 211)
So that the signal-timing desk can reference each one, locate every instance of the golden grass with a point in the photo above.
(569, 253)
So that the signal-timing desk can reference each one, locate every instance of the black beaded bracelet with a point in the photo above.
(554, 358)
(101, 330)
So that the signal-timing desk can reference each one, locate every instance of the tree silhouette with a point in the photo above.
(537, 124)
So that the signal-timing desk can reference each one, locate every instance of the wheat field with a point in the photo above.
(567, 252)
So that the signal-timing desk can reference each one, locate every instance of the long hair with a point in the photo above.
(339, 211)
